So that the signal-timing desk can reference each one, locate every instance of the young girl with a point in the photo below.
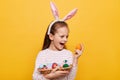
(54, 51)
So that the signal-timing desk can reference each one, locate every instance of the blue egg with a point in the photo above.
(41, 66)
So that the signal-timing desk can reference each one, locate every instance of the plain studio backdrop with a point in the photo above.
(23, 24)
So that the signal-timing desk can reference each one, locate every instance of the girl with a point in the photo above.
(54, 51)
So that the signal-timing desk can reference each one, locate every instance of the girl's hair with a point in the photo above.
(53, 30)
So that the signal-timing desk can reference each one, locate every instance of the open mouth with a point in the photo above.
(62, 44)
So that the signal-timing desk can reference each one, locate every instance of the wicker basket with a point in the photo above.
(47, 71)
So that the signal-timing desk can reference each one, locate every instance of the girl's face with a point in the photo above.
(59, 39)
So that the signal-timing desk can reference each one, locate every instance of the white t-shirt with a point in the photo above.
(48, 56)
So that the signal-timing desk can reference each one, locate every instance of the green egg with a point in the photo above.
(65, 65)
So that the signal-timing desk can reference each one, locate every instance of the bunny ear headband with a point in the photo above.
(56, 15)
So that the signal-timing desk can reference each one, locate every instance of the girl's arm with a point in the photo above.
(37, 75)
(56, 74)
(53, 75)
(73, 71)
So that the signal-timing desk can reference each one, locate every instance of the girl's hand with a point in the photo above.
(56, 74)
(78, 52)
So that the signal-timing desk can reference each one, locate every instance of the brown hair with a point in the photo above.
(53, 30)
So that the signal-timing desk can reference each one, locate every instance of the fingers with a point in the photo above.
(62, 73)
(82, 46)
(79, 52)
(54, 70)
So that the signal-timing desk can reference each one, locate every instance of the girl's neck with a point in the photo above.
(52, 47)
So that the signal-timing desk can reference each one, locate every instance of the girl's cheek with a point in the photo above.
(59, 38)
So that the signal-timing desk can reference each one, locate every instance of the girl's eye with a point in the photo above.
(66, 36)
(62, 36)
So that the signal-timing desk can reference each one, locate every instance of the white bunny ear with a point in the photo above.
(54, 10)
(70, 15)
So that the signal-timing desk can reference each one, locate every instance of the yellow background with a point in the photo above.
(23, 24)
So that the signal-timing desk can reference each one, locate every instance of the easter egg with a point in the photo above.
(79, 47)
(54, 65)
(44, 67)
(40, 66)
(65, 65)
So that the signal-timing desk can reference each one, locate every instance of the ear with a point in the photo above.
(54, 10)
(51, 36)
(70, 14)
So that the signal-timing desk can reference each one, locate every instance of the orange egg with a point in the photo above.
(79, 47)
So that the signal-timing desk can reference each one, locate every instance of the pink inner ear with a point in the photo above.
(54, 10)
(70, 14)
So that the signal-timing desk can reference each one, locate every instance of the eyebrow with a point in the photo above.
(63, 35)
